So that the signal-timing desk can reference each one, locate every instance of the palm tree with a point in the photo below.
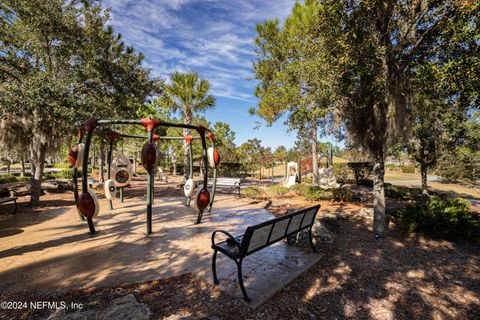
(188, 94)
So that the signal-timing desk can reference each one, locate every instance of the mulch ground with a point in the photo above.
(359, 277)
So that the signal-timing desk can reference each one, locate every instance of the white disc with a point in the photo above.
(95, 200)
(110, 189)
(79, 162)
(189, 188)
(211, 160)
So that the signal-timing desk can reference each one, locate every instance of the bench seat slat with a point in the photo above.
(230, 248)
(5, 200)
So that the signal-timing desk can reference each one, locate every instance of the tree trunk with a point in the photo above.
(93, 160)
(33, 167)
(314, 151)
(22, 163)
(102, 161)
(379, 224)
(37, 177)
(423, 173)
(187, 119)
(9, 163)
(174, 163)
(135, 164)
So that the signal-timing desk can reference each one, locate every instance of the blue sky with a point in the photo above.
(213, 37)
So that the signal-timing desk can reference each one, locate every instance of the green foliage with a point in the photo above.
(64, 174)
(343, 173)
(277, 191)
(344, 195)
(301, 189)
(307, 179)
(460, 164)
(442, 217)
(60, 165)
(407, 169)
(402, 193)
(254, 193)
(61, 64)
(8, 178)
(317, 194)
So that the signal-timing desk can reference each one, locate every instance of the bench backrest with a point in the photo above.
(266, 233)
(226, 181)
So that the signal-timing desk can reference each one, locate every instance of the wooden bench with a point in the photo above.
(225, 182)
(261, 236)
(10, 199)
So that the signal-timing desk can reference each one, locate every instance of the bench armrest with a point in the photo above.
(230, 237)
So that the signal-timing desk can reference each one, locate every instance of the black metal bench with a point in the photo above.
(230, 183)
(10, 199)
(260, 236)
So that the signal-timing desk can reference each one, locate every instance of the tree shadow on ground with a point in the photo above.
(358, 277)
(390, 278)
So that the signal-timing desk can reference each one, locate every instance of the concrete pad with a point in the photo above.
(53, 250)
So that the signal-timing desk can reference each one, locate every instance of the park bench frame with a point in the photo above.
(10, 199)
(237, 248)
(225, 182)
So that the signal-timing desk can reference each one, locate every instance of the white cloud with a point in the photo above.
(213, 37)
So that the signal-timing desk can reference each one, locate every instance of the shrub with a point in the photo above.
(254, 193)
(407, 169)
(307, 179)
(60, 165)
(343, 173)
(317, 193)
(277, 191)
(15, 177)
(301, 189)
(344, 195)
(361, 170)
(442, 217)
(401, 193)
(365, 182)
(7, 178)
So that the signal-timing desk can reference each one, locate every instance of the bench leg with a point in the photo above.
(311, 241)
(15, 209)
(214, 267)
(240, 281)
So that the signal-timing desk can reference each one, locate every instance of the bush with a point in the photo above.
(64, 174)
(407, 169)
(317, 193)
(442, 217)
(277, 191)
(343, 173)
(8, 178)
(60, 165)
(365, 182)
(254, 193)
(307, 179)
(301, 189)
(401, 193)
(344, 195)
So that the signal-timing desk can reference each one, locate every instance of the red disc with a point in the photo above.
(203, 199)
(149, 156)
(216, 157)
(72, 156)
(86, 205)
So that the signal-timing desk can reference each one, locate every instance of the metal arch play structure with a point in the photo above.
(87, 202)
